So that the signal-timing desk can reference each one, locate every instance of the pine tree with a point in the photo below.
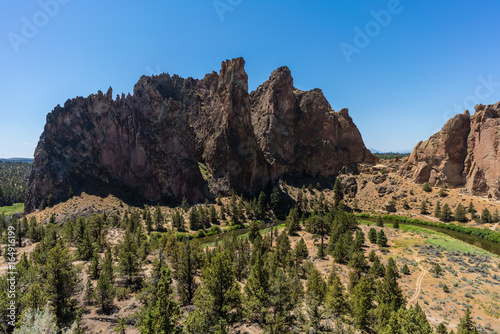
(285, 296)
(214, 220)
(61, 283)
(184, 204)
(412, 320)
(149, 222)
(315, 296)
(105, 291)
(441, 329)
(472, 210)
(495, 217)
(217, 298)
(362, 303)
(128, 260)
(380, 221)
(292, 221)
(188, 263)
(335, 300)
(460, 213)
(437, 210)
(257, 292)
(381, 239)
(389, 295)
(94, 266)
(261, 205)
(338, 195)
(162, 317)
(372, 235)
(194, 220)
(89, 293)
(301, 251)
(423, 208)
(467, 325)
(254, 232)
(159, 219)
(446, 214)
(486, 216)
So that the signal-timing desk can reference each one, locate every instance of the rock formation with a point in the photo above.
(177, 137)
(464, 153)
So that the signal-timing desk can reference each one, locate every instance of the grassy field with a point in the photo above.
(9, 210)
(434, 238)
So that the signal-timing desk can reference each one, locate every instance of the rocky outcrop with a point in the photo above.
(300, 133)
(177, 137)
(482, 164)
(464, 153)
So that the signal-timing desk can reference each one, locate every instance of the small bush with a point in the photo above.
(446, 289)
(122, 293)
(427, 187)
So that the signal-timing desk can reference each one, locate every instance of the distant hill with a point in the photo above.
(17, 159)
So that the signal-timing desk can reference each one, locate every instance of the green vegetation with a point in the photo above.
(486, 234)
(14, 181)
(10, 210)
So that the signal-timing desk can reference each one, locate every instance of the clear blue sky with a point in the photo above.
(400, 86)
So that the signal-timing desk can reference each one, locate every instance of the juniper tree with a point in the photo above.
(472, 210)
(437, 210)
(460, 213)
(423, 208)
(446, 214)
(381, 239)
(486, 216)
(372, 235)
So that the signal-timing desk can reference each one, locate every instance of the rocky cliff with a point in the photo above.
(464, 153)
(177, 137)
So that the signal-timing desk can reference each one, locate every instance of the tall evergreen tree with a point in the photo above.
(472, 210)
(217, 299)
(129, 262)
(338, 195)
(335, 300)
(187, 265)
(437, 210)
(467, 325)
(62, 283)
(159, 219)
(257, 292)
(412, 320)
(446, 214)
(292, 221)
(261, 205)
(162, 317)
(362, 303)
(460, 213)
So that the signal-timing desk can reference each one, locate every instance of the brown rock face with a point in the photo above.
(300, 133)
(153, 143)
(464, 152)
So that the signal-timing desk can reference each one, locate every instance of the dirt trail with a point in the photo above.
(419, 281)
